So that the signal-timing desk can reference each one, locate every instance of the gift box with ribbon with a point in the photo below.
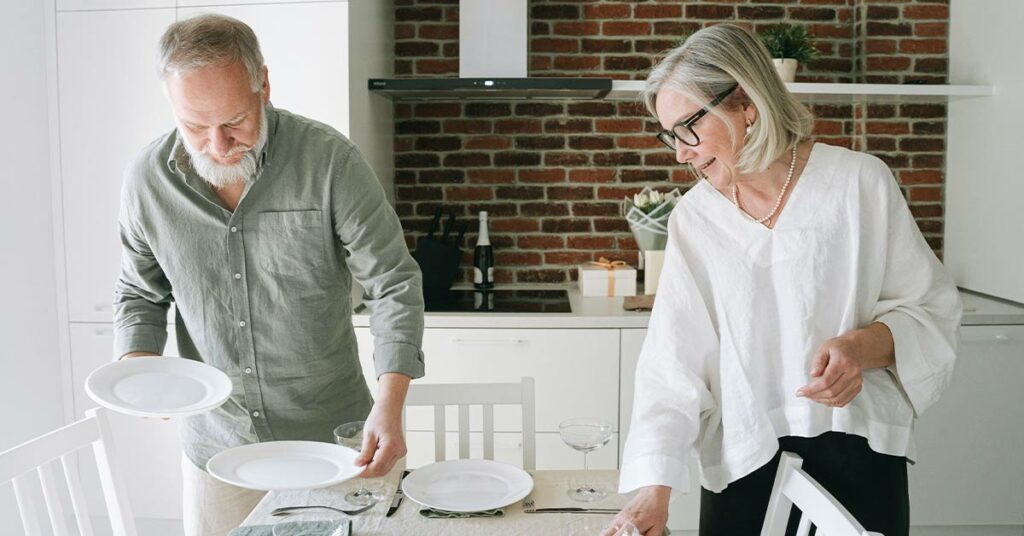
(607, 278)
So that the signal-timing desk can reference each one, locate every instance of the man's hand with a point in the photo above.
(647, 511)
(839, 364)
(383, 444)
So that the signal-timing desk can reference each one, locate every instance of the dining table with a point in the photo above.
(549, 490)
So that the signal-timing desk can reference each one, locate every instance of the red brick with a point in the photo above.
(491, 176)
(517, 126)
(889, 128)
(617, 193)
(827, 127)
(639, 142)
(888, 63)
(606, 11)
(626, 28)
(405, 31)
(568, 126)
(577, 63)
(409, 14)
(923, 145)
(467, 126)
(439, 31)
(591, 242)
(926, 211)
(923, 46)
(577, 28)
(591, 143)
(558, 11)
(515, 225)
(606, 45)
(438, 109)
(595, 209)
(450, 66)
(567, 257)
(619, 125)
(880, 46)
(921, 177)
(467, 159)
(931, 29)
(577, 193)
(487, 142)
(565, 225)
(541, 175)
(540, 242)
(566, 159)
(591, 175)
(539, 63)
(545, 209)
(709, 12)
(611, 225)
(516, 258)
(812, 13)
(469, 193)
(662, 11)
(926, 193)
(931, 11)
(554, 45)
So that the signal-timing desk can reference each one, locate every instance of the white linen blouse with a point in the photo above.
(741, 310)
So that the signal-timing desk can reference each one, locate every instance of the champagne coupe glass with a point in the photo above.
(585, 435)
(350, 435)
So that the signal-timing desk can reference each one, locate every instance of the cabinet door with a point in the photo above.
(684, 508)
(111, 106)
(970, 466)
(96, 5)
(148, 449)
(305, 48)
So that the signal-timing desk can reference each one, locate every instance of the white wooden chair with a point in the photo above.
(793, 486)
(44, 454)
(487, 395)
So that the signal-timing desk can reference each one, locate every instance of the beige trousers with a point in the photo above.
(212, 507)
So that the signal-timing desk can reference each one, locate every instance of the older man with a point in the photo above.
(253, 220)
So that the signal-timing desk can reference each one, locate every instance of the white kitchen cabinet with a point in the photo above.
(148, 449)
(111, 105)
(684, 508)
(99, 5)
(970, 461)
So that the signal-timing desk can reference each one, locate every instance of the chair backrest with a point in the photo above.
(793, 486)
(44, 454)
(487, 395)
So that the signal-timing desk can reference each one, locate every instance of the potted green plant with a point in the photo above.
(789, 45)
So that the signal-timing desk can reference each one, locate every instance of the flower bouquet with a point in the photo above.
(647, 213)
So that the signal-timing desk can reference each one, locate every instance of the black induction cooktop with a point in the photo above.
(497, 301)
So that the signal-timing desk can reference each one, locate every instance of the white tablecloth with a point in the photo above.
(548, 491)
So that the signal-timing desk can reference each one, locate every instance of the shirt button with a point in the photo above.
(234, 229)
(238, 276)
(248, 370)
(255, 414)
(241, 323)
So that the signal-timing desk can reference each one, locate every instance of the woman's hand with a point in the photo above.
(837, 370)
(647, 511)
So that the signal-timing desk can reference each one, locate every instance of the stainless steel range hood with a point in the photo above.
(493, 55)
(491, 88)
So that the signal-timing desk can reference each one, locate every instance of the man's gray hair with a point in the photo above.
(206, 40)
(714, 59)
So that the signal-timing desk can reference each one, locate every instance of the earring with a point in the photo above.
(750, 126)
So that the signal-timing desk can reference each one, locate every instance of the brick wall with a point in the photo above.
(551, 174)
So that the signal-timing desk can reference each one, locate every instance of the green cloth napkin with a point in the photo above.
(445, 514)
(298, 528)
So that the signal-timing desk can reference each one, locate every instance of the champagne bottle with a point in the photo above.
(483, 257)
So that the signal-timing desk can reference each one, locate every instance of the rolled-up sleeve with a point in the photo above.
(142, 293)
(672, 380)
(920, 305)
(379, 260)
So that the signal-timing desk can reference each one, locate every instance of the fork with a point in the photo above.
(529, 507)
(288, 510)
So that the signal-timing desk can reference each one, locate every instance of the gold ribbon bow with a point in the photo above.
(610, 266)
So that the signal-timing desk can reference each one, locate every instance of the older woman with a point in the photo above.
(799, 309)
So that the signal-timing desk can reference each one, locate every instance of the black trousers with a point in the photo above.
(872, 486)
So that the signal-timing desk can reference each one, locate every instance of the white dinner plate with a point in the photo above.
(158, 386)
(285, 465)
(467, 485)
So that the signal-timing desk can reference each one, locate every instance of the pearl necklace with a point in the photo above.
(778, 202)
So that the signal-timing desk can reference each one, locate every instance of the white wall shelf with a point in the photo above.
(846, 93)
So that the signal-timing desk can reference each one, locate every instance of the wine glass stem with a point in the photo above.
(585, 461)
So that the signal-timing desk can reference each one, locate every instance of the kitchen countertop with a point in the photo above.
(602, 312)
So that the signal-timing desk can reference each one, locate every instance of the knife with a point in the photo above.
(397, 501)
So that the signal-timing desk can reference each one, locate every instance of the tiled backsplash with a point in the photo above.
(551, 174)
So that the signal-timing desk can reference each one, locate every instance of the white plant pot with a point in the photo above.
(786, 67)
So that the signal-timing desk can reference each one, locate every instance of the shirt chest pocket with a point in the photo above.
(290, 242)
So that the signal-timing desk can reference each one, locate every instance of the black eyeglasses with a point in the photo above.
(683, 130)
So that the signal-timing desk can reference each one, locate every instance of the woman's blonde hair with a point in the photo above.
(714, 59)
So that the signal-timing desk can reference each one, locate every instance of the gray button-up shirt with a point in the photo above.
(263, 293)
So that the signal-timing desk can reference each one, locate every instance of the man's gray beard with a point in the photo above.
(221, 175)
